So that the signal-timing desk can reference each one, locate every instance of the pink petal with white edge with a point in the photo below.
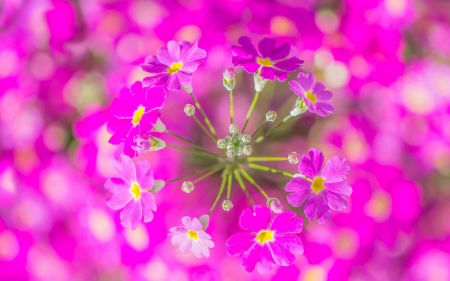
(203, 235)
(178, 239)
(280, 254)
(341, 188)
(131, 214)
(251, 257)
(186, 222)
(317, 158)
(292, 243)
(164, 57)
(174, 50)
(267, 73)
(184, 78)
(296, 88)
(148, 206)
(321, 93)
(311, 207)
(239, 238)
(266, 262)
(336, 202)
(323, 108)
(196, 225)
(196, 249)
(173, 83)
(255, 222)
(287, 222)
(336, 170)
(208, 243)
(306, 167)
(296, 199)
(126, 169)
(306, 80)
(186, 246)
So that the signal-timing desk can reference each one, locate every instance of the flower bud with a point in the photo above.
(298, 108)
(229, 81)
(144, 142)
(260, 82)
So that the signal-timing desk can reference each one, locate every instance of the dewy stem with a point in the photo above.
(241, 183)
(222, 188)
(266, 159)
(214, 169)
(208, 123)
(271, 130)
(230, 182)
(250, 110)
(268, 169)
(204, 129)
(191, 143)
(194, 151)
(194, 173)
(252, 181)
(231, 107)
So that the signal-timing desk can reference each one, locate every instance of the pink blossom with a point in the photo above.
(269, 242)
(131, 192)
(324, 188)
(191, 237)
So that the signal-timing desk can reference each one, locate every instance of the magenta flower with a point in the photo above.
(191, 237)
(313, 94)
(324, 188)
(268, 243)
(174, 65)
(269, 61)
(132, 191)
(136, 111)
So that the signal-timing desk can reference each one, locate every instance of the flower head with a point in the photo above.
(269, 242)
(136, 111)
(313, 94)
(131, 191)
(324, 188)
(174, 65)
(268, 60)
(191, 237)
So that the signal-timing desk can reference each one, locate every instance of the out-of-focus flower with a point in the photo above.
(268, 60)
(132, 191)
(191, 237)
(136, 111)
(174, 65)
(324, 188)
(313, 94)
(270, 242)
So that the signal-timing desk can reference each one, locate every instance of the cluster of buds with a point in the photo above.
(237, 144)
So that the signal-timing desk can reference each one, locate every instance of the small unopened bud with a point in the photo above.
(187, 186)
(189, 109)
(157, 186)
(144, 142)
(248, 150)
(271, 116)
(298, 108)
(204, 220)
(229, 80)
(233, 128)
(275, 205)
(246, 138)
(188, 89)
(227, 205)
(259, 82)
(221, 143)
(231, 153)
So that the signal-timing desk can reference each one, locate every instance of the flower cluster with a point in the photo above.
(271, 239)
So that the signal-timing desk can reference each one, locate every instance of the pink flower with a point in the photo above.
(135, 112)
(268, 60)
(132, 191)
(174, 65)
(269, 242)
(324, 189)
(191, 237)
(313, 94)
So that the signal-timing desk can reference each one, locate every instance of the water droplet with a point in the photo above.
(189, 109)
(227, 205)
(271, 116)
(234, 128)
(240, 151)
(294, 158)
(246, 138)
(248, 150)
(187, 186)
(231, 153)
(221, 143)
(275, 205)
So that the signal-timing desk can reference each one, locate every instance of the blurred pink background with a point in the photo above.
(62, 62)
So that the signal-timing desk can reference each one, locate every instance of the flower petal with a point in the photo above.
(341, 188)
(196, 225)
(266, 262)
(125, 167)
(291, 243)
(289, 65)
(184, 78)
(336, 170)
(306, 80)
(335, 202)
(131, 214)
(311, 206)
(121, 109)
(267, 73)
(119, 200)
(186, 246)
(255, 220)
(174, 50)
(163, 56)
(178, 239)
(187, 222)
(306, 167)
(317, 159)
(173, 83)
(158, 80)
(323, 108)
(266, 46)
(287, 222)
(251, 257)
(280, 52)
(148, 206)
(240, 238)
(247, 45)
(321, 93)
(280, 254)
(296, 88)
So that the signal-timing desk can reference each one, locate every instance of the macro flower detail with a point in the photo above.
(324, 188)
(173, 65)
(269, 61)
(269, 242)
(136, 111)
(191, 237)
(131, 192)
(313, 94)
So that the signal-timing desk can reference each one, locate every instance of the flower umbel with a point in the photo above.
(324, 188)
(131, 191)
(269, 242)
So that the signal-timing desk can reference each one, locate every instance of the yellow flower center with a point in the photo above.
(318, 184)
(264, 236)
(175, 67)
(264, 62)
(137, 115)
(311, 96)
(192, 235)
(135, 190)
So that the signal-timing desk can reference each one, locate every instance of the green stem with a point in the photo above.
(230, 182)
(191, 143)
(208, 123)
(204, 129)
(193, 173)
(213, 170)
(231, 107)
(193, 151)
(260, 126)
(250, 111)
(266, 159)
(271, 130)
(268, 169)
(252, 181)
(241, 183)
(222, 188)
